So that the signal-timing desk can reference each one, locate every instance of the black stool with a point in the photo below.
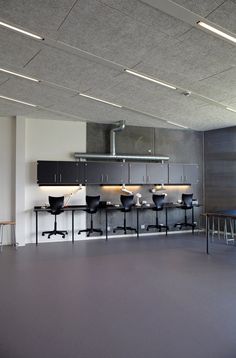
(56, 208)
(159, 206)
(187, 204)
(92, 207)
(127, 202)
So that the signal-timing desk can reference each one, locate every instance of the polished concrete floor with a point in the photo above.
(152, 298)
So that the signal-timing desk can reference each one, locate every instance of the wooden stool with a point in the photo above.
(2, 225)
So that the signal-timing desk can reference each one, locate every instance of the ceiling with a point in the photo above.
(88, 44)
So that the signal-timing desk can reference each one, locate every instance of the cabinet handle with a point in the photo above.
(55, 178)
(60, 178)
(148, 178)
(143, 178)
(102, 178)
(107, 178)
(181, 179)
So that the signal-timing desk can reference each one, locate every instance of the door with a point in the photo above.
(116, 173)
(191, 174)
(176, 173)
(157, 173)
(47, 172)
(137, 173)
(95, 173)
(70, 173)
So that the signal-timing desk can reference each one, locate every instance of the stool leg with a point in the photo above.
(13, 234)
(1, 236)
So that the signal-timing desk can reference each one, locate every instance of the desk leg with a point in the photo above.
(207, 235)
(106, 225)
(73, 226)
(192, 220)
(36, 221)
(137, 223)
(166, 221)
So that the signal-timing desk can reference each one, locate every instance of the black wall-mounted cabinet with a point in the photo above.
(148, 173)
(60, 173)
(183, 173)
(112, 173)
(106, 173)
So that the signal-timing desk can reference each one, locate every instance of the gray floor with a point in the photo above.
(154, 298)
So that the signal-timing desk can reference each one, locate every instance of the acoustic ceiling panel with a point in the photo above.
(201, 7)
(70, 70)
(32, 92)
(155, 19)
(224, 15)
(108, 33)
(16, 50)
(39, 16)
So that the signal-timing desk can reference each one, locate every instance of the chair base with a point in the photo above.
(123, 228)
(90, 231)
(55, 232)
(159, 227)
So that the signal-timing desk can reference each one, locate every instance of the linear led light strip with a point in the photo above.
(100, 100)
(16, 100)
(151, 79)
(231, 109)
(176, 124)
(19, 75)
(20, 30)
(216, 31)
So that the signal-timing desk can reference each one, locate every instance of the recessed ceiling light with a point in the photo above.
(176, 124)
(216, 31)
(100, 100)
(231, 109)
(20, 30)
(16, 100)
(19, 75)
(134, 73)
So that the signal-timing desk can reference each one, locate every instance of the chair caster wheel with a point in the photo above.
(43, 234)
(63, 236)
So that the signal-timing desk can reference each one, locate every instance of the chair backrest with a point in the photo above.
(127, 202)
(187, 200)
(92, 203)
(158, 201)
(56, 204)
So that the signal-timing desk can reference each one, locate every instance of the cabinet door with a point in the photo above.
(176, 173)
(95, 173)
(157, 173)
(137, 173)
(191, 173)
(47, 172)
(116, 173)
(70, 173)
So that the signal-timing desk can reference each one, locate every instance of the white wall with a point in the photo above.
(51, 140)
(23, 141)
(7, 171)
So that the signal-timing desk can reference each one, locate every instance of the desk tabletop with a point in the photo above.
(111, 207)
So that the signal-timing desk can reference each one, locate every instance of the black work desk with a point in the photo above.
(107, 209)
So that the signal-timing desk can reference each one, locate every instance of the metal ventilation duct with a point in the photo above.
(119, 126)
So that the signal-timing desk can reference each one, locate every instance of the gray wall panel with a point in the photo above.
(182, 146)
(220, 169)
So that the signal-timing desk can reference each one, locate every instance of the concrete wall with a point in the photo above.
(180, 145)
(220, 168)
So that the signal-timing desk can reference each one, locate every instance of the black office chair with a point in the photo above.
(56, 208)
(127, 203)
(159, 206)
(92, 207)
(187, 204)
